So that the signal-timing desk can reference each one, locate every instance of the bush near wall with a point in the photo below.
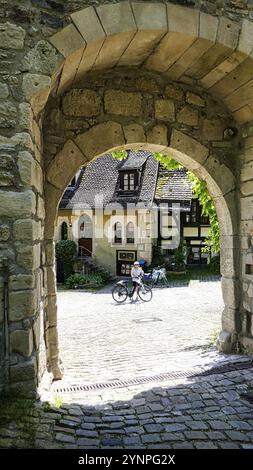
(65, 251)
(95, 280)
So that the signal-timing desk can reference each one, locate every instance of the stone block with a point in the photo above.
(43, 58)
(28, 256)
(221, 174)
(36, 89)
(247, 344)
(177, 20)
(208, 26)
(158, 135)
(165, 110)
(69, 69)
(8, 114)
(174, 92)
(246, 208)
(40, 209)
(123, 103)
(147, 85)
(245, 41)
(23, 371)
(196, 100)
(25, 116)
(189, 146)
(150, 16)
(22, 304)
(228, 32)
(188, 115)
(134, 133)
(21, 282)
(88, 58)
(247, 188)
(7, 170)
(21, 342)
(68, 40)
(65, 164)
(224, 343)
(11, 36)
(247, 172)
(140, 47)
(27, 230)
(116, 18)
(4, 91)
(81, 103)
(30, 171)
(88, 24)
(5, 232)
(100, 139)
(230, 292)
(213, 129)
(17, 204)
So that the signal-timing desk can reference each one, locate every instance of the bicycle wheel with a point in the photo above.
(145, 293)
(119, 294)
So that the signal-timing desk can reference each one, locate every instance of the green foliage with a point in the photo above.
(200, 191)
(167, 161)
(65, 251)
(98, 279)
(214, 265)
(157, 256)
(120, 154)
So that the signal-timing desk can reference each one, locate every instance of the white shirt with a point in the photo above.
(137, 273)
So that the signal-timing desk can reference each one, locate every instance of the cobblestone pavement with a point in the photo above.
(101, 341)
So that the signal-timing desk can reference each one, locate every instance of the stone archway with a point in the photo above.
(180, 45)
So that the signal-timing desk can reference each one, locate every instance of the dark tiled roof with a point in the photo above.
(99, 181)
(173, 185)
(134, 160)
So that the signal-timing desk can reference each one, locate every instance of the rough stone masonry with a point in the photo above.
(79, 78)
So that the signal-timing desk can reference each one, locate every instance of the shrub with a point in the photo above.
(157, 256)
(214, 264)
(65, 251)
(98, 279)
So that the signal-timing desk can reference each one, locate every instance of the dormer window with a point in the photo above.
(129, 181)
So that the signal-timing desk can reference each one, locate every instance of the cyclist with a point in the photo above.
(136, 275)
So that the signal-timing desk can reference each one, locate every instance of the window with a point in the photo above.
(118, 233)
(85, 227)
(130, 232)
(128, 182)
(64, 231)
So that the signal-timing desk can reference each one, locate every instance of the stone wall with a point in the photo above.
(117, 109)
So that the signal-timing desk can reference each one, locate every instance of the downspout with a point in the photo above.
(6, 321)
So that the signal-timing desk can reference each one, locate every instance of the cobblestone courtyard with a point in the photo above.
(101, 341)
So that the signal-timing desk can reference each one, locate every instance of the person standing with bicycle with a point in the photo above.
(136, 274)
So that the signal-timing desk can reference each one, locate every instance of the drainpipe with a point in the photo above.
(6, 320)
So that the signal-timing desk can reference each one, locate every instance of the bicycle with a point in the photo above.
(157, 277)
(121, 292)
